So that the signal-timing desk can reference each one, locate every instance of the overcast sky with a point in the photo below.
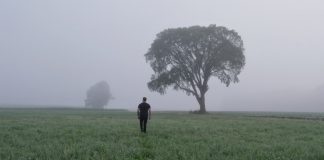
(51, 52)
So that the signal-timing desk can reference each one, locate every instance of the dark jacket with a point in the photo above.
(143, 110)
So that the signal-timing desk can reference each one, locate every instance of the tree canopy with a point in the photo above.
(98, 95)
(186, 58)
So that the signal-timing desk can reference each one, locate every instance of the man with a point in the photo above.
(143, 113)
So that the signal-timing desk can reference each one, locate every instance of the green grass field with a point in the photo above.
(69, 134)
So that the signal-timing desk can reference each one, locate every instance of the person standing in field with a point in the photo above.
(143, 114)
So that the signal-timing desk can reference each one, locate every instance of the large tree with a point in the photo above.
(98, 95)
(186, 58)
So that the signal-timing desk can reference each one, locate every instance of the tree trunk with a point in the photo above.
(201, 101)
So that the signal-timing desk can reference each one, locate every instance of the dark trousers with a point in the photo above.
(143, 121)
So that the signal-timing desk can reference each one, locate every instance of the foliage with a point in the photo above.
(98, 95)
(72, 134)
(186, 58)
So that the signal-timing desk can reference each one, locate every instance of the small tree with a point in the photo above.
(98, 95)
(186, 58)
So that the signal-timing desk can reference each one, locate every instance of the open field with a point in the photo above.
(93, 134)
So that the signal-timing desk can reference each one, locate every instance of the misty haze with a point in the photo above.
(255, 62)
(51, 52)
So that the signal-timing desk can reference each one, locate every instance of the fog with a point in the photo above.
(51, 52)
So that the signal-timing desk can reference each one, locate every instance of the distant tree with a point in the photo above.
(186, 58)
(98, 95)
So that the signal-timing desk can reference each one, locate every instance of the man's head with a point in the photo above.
(144, 99)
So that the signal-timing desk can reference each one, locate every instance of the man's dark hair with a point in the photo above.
(144, 99)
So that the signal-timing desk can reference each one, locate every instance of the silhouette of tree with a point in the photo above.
(186, 58)
(98, 95)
